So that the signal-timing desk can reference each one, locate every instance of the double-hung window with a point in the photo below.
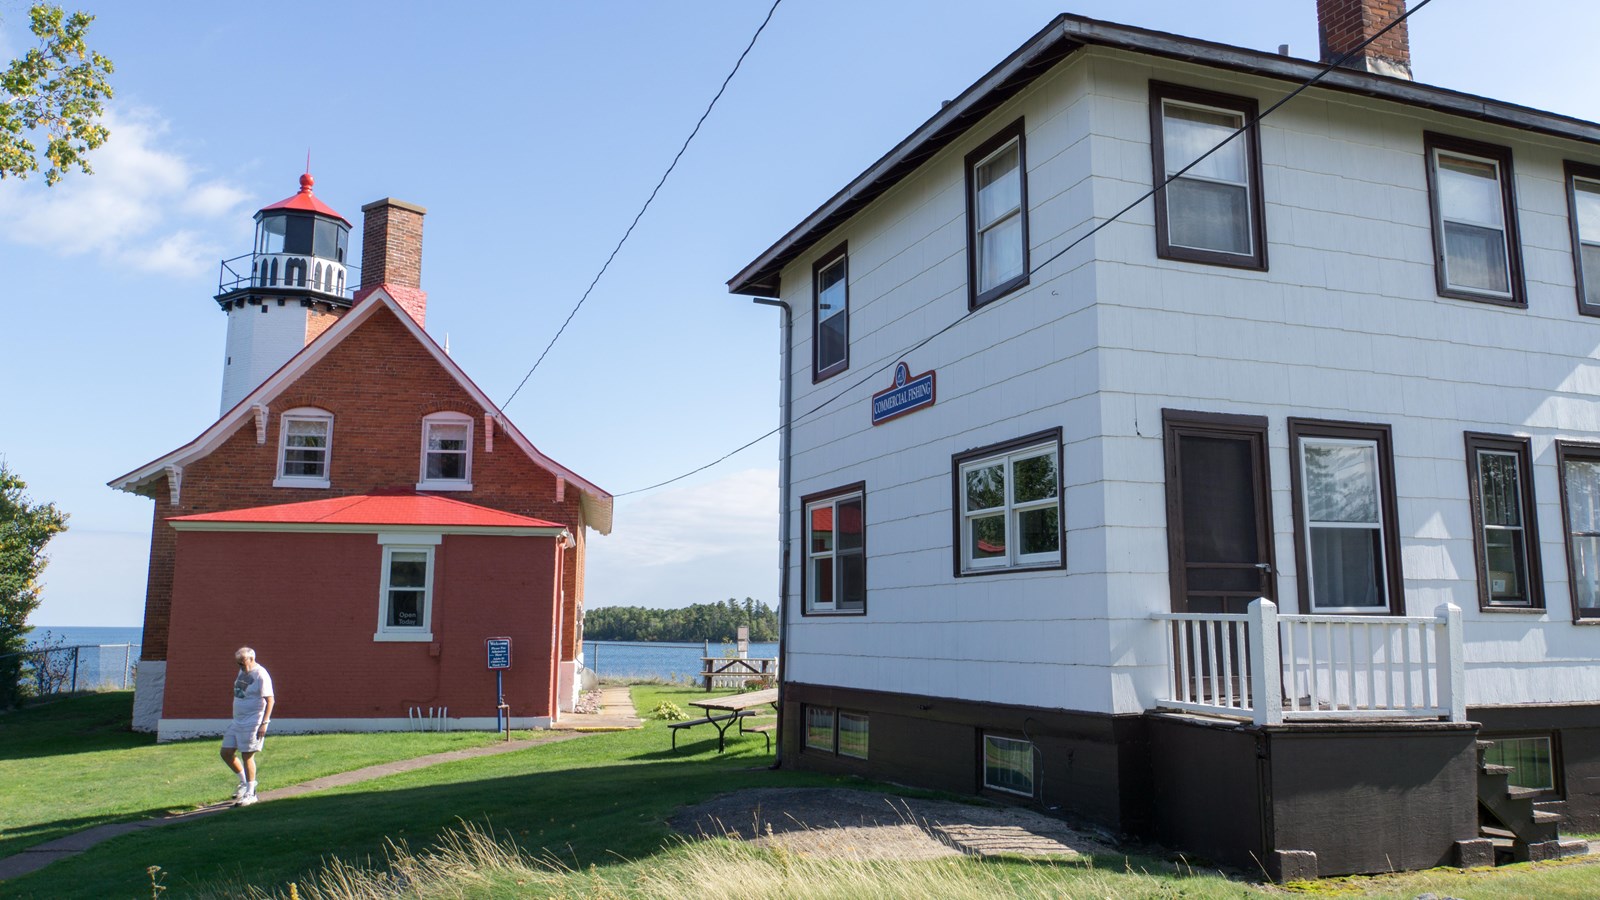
(446, 452)
(835, 575)
(1580, 505)
(304, 443)
(1477, 252)
(1500, 481)
(1348, 544)
(405, 600)
(997, 217)
(831, 314)
(1211, 211)
(1583, 215)
(1008, 505)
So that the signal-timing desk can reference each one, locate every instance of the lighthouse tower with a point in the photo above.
(286, 291)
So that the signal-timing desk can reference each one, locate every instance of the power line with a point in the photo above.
(648, 200)
(895, 359)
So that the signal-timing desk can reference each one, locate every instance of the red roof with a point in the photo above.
(376, 509)
(306, 201)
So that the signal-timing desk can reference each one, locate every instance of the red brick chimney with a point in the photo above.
(1343, 24)
(391, 254)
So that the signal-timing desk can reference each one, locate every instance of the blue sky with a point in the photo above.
(531, 132)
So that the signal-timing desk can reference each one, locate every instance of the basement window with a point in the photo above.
(853, 734)
(819, 728)
(1008, 765)
(304, 443)
(446, 452)
(1531, 760)
(1477, 252)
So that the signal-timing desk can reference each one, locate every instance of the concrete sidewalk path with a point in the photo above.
(616, 713)
(37, 857)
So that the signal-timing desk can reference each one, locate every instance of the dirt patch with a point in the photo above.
(848, 824)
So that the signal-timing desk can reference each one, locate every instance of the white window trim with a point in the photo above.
(1033, 769)
(1501, 226)
(1521, 530)
(981, 228)
(303, 414)
(1383, 540)
(444, 484)
(1014, 558)
(405, 544)
(1249, 194)
(812, 606)
(817, 365)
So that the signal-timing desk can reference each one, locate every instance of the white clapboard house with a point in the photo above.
(1264, 521)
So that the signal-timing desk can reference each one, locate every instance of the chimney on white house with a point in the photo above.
(1342, 25)
(391, 254)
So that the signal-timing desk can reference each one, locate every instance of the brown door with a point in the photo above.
(1219, 514)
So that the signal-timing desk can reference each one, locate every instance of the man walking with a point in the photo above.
(252, 710)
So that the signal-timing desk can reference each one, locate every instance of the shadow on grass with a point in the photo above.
(76, 724)
(581, 816)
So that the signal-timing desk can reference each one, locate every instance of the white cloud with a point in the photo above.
(138, 209)
(696, 544)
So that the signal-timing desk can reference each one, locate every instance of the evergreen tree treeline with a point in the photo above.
(698, 622)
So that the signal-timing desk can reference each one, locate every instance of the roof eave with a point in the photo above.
(1067, 33)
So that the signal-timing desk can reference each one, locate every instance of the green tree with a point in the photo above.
(25, 527)
(54, 93)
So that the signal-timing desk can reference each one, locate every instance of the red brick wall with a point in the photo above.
(308, 604)
(1344, 24)
(378, 382)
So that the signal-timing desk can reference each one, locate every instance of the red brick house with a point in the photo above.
(363, 515)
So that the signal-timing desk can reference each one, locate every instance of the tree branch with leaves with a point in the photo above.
(25, 528)
(54, 92)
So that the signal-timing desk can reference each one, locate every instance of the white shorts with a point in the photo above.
(242, 738)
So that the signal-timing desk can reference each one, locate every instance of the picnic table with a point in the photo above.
(723, 712)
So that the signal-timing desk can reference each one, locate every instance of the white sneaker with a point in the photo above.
(240, 791)
(246, 800)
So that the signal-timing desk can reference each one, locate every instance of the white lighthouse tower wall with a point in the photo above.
(261, 338)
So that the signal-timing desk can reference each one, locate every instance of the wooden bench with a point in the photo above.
(763, 730)
(722, 722)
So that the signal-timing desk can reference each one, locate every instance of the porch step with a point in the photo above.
(1488, 769)
(1541, 817)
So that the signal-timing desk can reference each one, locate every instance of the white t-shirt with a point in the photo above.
(250, 692)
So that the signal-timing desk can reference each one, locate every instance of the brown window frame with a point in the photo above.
(839, 254)
(1565, 451)
(1382, 436)
(859, 487)
(1014, 131)
(1246, 106)
(1522, 448)
(1573, 171)
(958, 503)
(1432, 142)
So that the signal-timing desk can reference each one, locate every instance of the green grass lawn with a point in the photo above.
(73, 763)
(592, 812)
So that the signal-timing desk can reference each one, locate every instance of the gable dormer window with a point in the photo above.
(446, 452)
(304, 444)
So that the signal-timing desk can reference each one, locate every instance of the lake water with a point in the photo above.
(610, 659)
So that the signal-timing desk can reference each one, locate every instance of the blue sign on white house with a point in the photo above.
(908, 395)
(499, 652)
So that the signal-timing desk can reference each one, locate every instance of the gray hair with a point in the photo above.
(244, 653)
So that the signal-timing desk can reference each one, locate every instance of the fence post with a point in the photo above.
(75, 667)
(1266, 669)
(1452, 661)
(127, 657)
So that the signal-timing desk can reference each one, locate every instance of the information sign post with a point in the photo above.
(499, 653)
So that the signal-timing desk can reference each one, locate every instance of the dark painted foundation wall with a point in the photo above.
(1365, 798)
(1575, 733)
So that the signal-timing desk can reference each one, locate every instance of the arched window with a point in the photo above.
(446, 452)
(305, 448)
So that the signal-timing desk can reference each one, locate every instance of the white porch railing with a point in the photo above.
(1270, 668)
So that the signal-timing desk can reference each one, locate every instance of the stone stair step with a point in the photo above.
(1489, 769)
(1541, 817)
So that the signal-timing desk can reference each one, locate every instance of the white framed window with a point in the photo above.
(1474, 220)
(1009, 507)
(819, 728)
(1008, 765)
(1348, 540)
(1531, 760)
(997, 217)
(836, 552)
(1212, 212)
(405, 598)
(446, 452)
(1583, 211)
(305, 445)
(1579, 468)
(853, 734)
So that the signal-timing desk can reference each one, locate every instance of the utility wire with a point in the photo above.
(895, 359)
(673, 165)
